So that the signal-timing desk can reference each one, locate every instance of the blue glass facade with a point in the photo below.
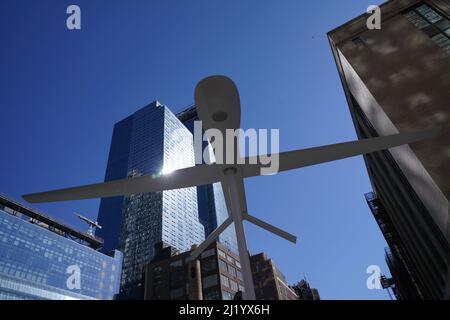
(151, 141)
(35, 264)
(212, 209)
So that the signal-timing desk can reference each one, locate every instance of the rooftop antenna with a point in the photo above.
(91, 224)
(218, 107)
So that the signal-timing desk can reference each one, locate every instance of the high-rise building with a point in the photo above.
(150, 141)
(43, 259)
(397, 79)
(212, 209)
(270, 283)
(404, 287)
(214, 275)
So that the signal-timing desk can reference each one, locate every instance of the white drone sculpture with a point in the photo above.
(218, 106)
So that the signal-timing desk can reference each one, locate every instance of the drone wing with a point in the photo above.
(182, 178)
(312, 156)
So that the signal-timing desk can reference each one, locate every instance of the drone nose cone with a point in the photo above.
(217, 102)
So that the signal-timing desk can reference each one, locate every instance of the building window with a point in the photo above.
(429, 13)
(232, 271)
(221, 254)
(209, 264)
(222, 265)
(230, 259)
(431, 22)
(209, 281)
(441, 40)
(417, 20)
(233, 285)
(226, 295)
(225, 281)
(212, 295)
(208, 253)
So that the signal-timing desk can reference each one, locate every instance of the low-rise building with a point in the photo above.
(305, 292)
(215, 275)
(270, 283)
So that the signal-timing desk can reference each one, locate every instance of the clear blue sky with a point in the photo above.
(62, 91)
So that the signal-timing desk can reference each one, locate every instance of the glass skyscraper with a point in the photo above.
(212, 208)
(150, 141)
(38, 256)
